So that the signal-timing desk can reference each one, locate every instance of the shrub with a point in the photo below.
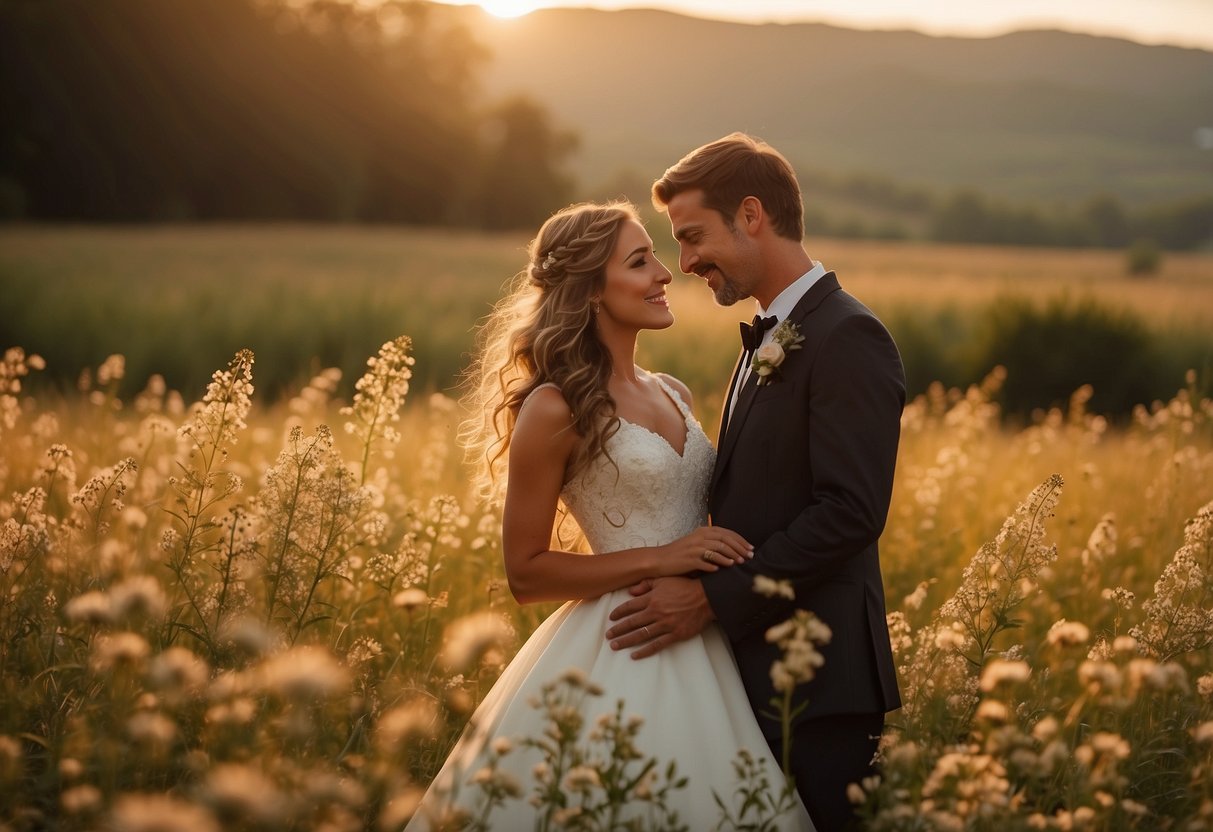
(1051, 350)
(1143, 258)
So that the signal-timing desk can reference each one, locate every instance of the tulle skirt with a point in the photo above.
(689, 698)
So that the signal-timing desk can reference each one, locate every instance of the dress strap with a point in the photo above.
(679, 402)
(536, 390)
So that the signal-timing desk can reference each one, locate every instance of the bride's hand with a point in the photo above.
(706, 549)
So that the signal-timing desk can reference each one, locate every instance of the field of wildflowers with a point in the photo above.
(228, 615)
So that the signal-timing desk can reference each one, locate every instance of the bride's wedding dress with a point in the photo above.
(689, 696)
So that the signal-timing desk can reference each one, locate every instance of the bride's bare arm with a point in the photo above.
(541, 446)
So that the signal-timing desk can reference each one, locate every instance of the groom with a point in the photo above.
(804, 469)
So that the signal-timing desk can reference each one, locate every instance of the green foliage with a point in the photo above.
(932, 343)
(178, 303)
(1102, 222)
(242, 109)
(1105, 217)
(1143, 258)
(520, 184)
(1046, 347)
(1180, 225)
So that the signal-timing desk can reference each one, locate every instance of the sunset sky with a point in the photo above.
(1178, 22)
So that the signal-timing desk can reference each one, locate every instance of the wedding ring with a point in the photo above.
(707, 555)
(646, 633)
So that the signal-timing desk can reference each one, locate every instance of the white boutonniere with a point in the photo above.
(784, 338)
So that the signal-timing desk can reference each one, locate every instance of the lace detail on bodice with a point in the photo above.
(651, 495)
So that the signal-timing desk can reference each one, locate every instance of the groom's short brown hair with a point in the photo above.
(732, 168)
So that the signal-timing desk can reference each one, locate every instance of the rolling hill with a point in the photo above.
(1033, 116)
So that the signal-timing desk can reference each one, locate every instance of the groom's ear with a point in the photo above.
(751, 214)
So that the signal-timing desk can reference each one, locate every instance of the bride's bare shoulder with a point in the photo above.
(544, 413)
(678, 387)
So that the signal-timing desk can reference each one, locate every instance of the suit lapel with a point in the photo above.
(731, 427)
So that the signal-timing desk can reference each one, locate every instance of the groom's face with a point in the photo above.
(711, 248)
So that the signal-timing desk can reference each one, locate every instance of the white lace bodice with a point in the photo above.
(651, 494)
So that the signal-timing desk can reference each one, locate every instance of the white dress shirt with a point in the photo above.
(781, 308)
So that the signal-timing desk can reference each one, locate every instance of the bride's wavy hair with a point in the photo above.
(543, 331)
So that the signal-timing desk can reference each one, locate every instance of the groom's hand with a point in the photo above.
(665, 611)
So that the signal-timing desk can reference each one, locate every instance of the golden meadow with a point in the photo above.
(180, 300)
(225, 608)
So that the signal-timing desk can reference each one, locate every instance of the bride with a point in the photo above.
(569, 418)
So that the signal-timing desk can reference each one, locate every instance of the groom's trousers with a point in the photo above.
(828, 754)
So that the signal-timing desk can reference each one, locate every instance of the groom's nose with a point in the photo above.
(687, 260)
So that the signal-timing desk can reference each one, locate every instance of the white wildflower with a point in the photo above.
(139, 596)
(797, 638)
(469, 639)
(304, 673)
(399, 727)
(1068, 633)
(772, 588)
(410, 599)
(159, 813)
(242, 791)
(1000, 672)
(118, 650)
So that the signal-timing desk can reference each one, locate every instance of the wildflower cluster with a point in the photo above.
(156, 605)
(760, 801)
(797, 639)
(1041, 695)
(14, 366)
(311, 507)
(1179, 616)
(585, 777)
(379, 397)
(217, 420)
(947, 653)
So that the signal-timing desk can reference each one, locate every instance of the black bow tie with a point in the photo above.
(751, 333)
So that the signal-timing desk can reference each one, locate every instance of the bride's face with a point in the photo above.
(633, 296)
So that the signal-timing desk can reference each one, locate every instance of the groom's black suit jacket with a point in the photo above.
(804, 471)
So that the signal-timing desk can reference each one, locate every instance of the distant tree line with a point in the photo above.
(970, 217)
(134, 110)
(1102, 222)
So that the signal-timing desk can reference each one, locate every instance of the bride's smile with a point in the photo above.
(635, 283)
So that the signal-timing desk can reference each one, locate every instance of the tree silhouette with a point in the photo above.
(257, 109)
(521, 183)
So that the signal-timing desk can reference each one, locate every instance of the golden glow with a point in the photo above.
(1178, 22)
(507, 8)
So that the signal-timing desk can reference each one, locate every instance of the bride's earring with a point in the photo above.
(597, 307)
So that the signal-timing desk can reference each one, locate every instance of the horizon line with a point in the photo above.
(973, 32)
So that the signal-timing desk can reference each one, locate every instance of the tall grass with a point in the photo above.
(179, 301)
(226, 615)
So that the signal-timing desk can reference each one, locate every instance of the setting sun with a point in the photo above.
(507, 8)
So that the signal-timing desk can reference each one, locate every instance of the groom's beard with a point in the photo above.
(728, 292)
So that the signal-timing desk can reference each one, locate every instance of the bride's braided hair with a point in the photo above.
(543, 331)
